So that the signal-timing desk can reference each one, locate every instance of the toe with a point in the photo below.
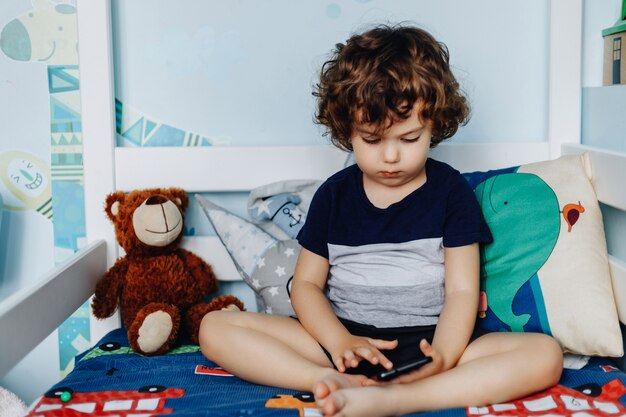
(333, 404)
(321, 391)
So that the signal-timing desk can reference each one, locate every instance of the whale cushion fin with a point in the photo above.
(547, 269)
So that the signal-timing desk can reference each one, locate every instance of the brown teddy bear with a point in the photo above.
(156, 282)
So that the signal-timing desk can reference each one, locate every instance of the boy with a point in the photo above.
(390, 258)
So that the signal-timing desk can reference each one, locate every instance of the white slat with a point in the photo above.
(222, 168)
(609, 174)
(45, 306)
(98, 116)
(211, 249)
(618, 276)
(245, 168)
(565, 73)
(468, 157)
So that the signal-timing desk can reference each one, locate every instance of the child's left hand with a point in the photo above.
(435, 367)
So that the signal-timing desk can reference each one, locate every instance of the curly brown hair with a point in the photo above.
(377, 77)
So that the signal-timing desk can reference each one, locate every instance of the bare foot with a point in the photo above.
(357, 402)
(333, 382)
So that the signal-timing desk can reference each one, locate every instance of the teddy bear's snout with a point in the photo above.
(157, 221)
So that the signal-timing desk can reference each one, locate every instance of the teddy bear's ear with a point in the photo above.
(112, 204)
(180, 197)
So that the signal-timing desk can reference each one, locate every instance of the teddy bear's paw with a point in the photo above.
(154, 328)
(155, 332)
(226, 302)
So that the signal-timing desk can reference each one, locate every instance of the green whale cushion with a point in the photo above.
(547, 269)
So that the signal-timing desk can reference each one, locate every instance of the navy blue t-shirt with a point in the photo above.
(386, 265)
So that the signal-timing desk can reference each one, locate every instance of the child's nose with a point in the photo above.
(391, 153)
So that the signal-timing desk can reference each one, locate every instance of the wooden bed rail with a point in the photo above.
(47, 304)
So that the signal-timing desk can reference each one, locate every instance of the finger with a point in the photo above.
(426, 348)
(367, 354)
(405, 379)
(339, 364)
(350, 359)
(369, 382)
(384, 361)
(412, 376)
(383, 344)
(375, 357)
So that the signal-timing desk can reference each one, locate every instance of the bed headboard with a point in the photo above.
(210, 169)
(237, 169)
(240, 169)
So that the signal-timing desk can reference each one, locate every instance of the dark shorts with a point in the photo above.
(407, 349)
(408, 343)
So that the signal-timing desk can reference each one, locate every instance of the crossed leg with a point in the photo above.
(277, 350)
(495, 368)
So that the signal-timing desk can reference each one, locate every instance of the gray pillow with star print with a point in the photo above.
(265, 263)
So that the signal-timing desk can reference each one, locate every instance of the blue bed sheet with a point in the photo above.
(111, 380)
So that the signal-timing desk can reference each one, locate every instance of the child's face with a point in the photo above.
(397, 156)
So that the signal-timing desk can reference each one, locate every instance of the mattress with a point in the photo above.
(111, 380)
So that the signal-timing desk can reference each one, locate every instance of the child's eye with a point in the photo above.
(410, 140)
(371, 141)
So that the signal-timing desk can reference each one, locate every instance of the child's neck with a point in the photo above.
(382, 196)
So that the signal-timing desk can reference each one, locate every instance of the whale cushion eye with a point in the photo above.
(547, 268)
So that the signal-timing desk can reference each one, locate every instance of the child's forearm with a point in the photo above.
(315, 313)
(455, 326)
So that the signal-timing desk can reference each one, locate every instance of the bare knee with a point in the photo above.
(212, 329)
(550, 355)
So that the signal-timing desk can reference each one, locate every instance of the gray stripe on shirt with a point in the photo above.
(418, 305)
(387, 284)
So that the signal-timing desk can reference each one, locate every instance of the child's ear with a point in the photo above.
(112, 204)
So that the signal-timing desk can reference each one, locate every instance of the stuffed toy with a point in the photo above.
(156, 283)
(10, 404)
(265, 250)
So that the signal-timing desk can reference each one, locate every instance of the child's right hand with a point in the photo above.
(352, 350)
(434, 367)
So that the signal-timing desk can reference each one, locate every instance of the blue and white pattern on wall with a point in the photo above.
(136, 129)
(27, 181)
(48, 34)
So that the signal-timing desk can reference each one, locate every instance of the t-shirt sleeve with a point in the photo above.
(464, 221)
(314, 233)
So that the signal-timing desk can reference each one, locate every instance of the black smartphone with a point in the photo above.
(403, 369)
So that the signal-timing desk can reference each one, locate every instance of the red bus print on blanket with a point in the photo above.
(586, 400)
(147, 401)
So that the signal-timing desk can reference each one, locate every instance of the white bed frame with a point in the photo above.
(108, 168)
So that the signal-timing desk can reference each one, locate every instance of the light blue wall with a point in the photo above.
(597, 15)
(603, 108)
(242, 71)
(26, 241)
(27, 248)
